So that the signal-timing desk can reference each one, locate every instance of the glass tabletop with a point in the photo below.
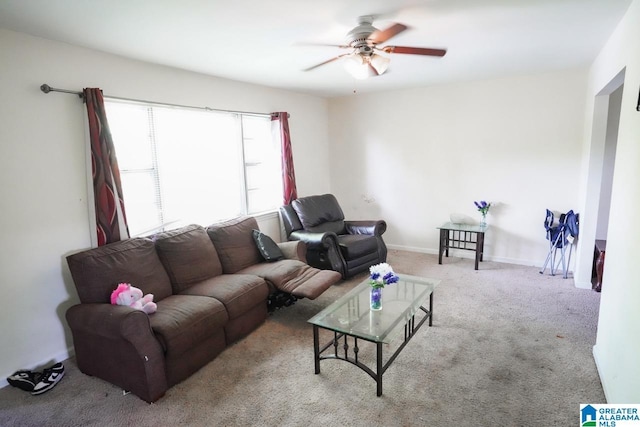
(400, 301)
(476, 228)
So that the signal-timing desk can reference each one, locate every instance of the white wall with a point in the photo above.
(415, 156)
(42, 168)
(617, 349)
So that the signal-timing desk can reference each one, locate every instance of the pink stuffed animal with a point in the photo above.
(125, 294)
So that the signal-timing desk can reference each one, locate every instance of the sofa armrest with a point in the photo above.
(294, 250)
(375, 228)
(109, 321)
(316, 241)
(116, 343)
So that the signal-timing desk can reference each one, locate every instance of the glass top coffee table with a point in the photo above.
(350, 319)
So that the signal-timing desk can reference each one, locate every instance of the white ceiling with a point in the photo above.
(258, 41)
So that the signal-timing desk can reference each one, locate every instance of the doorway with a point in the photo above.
(594, 218)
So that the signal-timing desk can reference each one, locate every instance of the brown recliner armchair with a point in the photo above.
(348, 247)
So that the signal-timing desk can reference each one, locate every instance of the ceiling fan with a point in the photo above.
(364, 59)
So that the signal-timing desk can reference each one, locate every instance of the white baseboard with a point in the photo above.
(60, 357)
(465, 254)
(599, 369)
(413, 249)
(584, 285)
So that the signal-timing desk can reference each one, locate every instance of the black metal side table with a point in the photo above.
(462, 236)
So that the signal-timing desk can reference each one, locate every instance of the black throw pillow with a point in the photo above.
(267, 247)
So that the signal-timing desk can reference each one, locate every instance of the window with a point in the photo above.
(182, 166)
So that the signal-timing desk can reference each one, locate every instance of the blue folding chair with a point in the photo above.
(561, 232)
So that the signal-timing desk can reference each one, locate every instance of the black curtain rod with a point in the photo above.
(46, 89)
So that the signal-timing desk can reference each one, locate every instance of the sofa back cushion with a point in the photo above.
(188, 256)
(97, 272)
(234, 242)
(320, 214)
(290, 219)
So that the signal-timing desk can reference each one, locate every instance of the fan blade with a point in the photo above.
(381, 36)
(341, 46)
(326, 62)
(414, 50)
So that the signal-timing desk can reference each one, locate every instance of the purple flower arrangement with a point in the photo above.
(382, 274)
(483, 207)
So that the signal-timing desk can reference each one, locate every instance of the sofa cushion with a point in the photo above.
(97, 272)
(328, 227)
(313, 282)
(295, 277)
(277, 273)
(183, 321)
(238, 292)
(233, 240)
(188, 256)
(269, 249)
(354, 246)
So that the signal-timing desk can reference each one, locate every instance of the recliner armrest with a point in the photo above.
(375, 228)
(315, 240)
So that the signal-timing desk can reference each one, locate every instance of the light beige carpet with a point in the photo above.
(508, 347)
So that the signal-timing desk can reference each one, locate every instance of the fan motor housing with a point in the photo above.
(359, 36)
(364, 49)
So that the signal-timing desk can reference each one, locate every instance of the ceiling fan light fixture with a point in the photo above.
(380, 63)
(364, 66)
(357, 66)
(363, 40)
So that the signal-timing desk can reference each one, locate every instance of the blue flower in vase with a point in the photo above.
(483, 207)
(376, 296)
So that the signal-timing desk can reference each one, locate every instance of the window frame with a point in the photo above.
(156, 174)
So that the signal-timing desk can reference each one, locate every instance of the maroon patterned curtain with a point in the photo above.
(288, 174)
(111, 220)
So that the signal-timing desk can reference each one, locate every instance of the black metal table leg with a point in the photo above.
(479, 248)
(441, 249)
(379, 368)
(431, 309)
(316, 349)
(447, 243)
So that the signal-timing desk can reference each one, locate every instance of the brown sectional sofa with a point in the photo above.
(211, 286)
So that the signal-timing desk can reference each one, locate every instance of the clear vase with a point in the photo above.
(376, 299)
(483, 221)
